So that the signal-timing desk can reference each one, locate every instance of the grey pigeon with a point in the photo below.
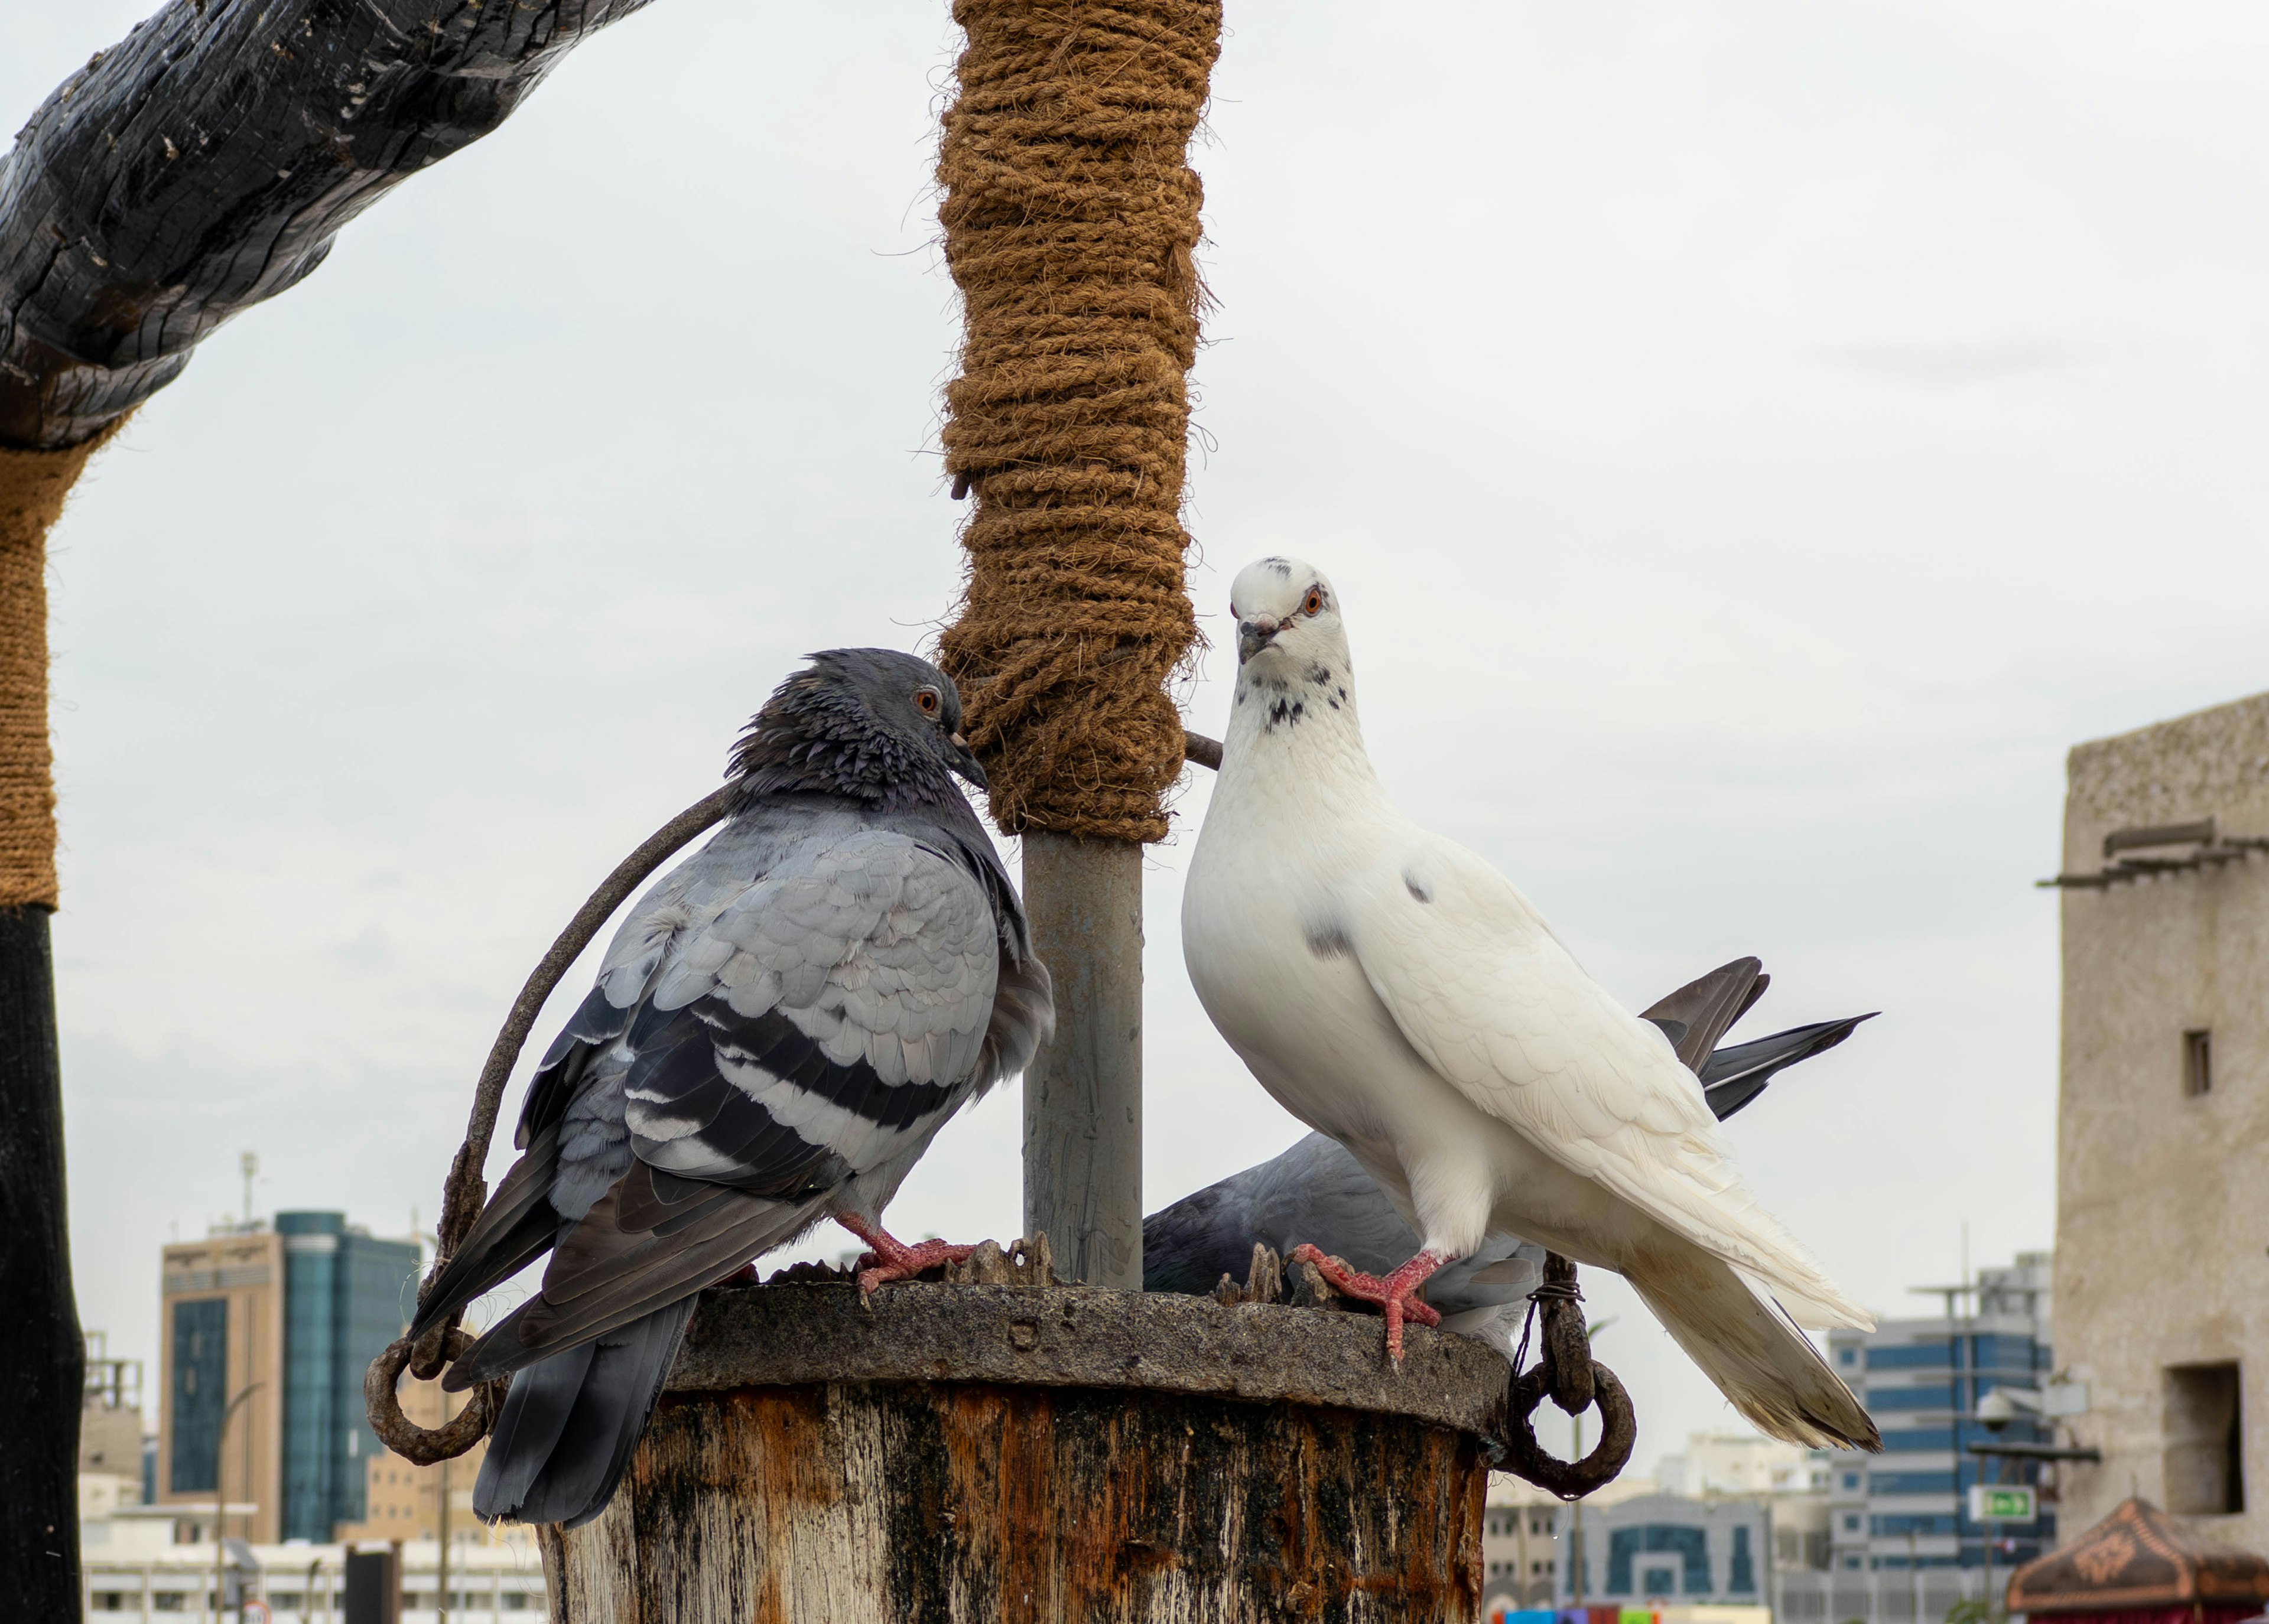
(1317, 1191)
(780, 1027)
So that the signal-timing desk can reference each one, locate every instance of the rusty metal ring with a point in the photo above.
(425, 1445)
(1569, 1480)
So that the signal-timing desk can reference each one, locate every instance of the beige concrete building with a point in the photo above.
(2162, 1230)
(221, 1336)
(403, 1500)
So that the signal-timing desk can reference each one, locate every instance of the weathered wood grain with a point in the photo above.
(978, 1503)
(40, 1346)
(1009, 1456)
(205, 162)
(1071, 1336)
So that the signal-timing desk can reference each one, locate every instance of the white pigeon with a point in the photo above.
(1393, 990)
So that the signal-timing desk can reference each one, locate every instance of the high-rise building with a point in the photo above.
(2161, 1155)
(264, 1336)
(1921, 1380)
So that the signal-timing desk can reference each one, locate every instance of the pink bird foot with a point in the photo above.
(1397, 1293)
(888, 1258)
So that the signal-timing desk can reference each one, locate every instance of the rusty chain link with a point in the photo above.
(1567, 1374)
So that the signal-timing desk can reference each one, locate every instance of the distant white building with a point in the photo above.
(154, 1564)
(1714, 1465)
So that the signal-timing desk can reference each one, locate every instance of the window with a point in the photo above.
(1926, 1522)
(1741, 1570)
(1690, 1544)
(1920, 1438)
(2204, 1425)
(1934, 1396)
(1847, 1355)
(1851, 1481)
(2198, 1062)
(1908, 1356)
(200, 1378)
(1912, 1483)
(1852, 1523)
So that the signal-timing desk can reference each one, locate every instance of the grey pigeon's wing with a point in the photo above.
(821, 1024)
(1737, 1073)
(1316, 1191)
(1696, 1016)
(1189, 1246)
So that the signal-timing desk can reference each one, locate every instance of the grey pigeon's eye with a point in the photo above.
(928, 701)
(1313, 603)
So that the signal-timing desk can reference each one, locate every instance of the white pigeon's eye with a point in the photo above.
(927, 701)
(1313, 603)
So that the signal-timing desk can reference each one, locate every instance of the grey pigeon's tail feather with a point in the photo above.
(571, 1421)
(1696, 1016)
(1737, 1073)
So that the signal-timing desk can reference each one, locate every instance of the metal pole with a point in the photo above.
(442, 1542)
(1575, 1524)
(1084, 1092)
(220, 1496)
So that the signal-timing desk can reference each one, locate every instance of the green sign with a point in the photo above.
(2010, 1503)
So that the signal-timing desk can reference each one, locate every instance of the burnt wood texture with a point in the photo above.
(1001, 1455)
(205, 162)
(202, 165)
(40, 1346)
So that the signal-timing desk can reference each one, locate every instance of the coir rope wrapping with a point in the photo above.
(33, 486)
(1071, 229)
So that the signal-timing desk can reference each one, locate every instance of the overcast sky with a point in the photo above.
(1752, 443)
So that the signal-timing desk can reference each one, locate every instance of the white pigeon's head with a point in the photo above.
(1288, 620)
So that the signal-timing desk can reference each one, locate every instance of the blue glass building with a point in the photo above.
(346, 1295)
(283, 1322)
(1921, 1380)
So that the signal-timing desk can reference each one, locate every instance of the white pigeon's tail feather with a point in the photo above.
(1750, 1348)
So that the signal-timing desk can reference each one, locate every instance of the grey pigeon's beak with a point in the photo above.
(1255, 634)
(966, 764)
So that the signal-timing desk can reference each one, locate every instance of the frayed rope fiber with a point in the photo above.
(33, 486)
(1071, 229)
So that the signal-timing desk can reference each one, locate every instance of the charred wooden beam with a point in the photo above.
(206, 161)
(199, 167)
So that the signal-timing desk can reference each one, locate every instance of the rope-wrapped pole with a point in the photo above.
(39, 1339)
(1071, 220)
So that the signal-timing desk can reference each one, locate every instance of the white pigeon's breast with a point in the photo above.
(1267, 949)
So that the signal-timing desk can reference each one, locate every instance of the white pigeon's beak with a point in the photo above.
(1254, 633)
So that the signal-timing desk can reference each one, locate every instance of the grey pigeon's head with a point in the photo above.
(870, 723)
(1288, 618)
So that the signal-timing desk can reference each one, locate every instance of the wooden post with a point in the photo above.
(1021, 1455)
(1084, 1092)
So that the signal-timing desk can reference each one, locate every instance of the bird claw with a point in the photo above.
(1396, 1295)
(888, 1259)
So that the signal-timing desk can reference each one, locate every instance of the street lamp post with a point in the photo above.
(1576, 1509)
(220, 1496)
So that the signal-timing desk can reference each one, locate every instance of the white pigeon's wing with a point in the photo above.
(1484, 991)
